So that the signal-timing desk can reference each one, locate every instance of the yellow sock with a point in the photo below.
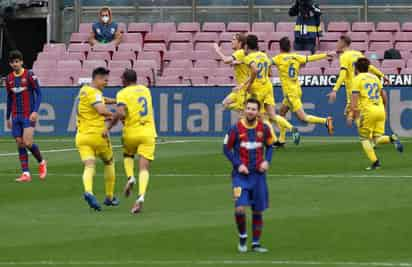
(382, 140)
(283, 123)
(269, 124)
(314, 119)
(282, 135)
(88, 174)
(109, 180)
(143, 182)
(129, 166)
(368, 148)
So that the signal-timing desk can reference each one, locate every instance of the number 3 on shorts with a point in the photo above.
(143, 102)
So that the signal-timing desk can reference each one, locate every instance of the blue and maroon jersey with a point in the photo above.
(23, 94)
(249, 146)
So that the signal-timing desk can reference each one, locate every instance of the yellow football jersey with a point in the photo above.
(347, 73)
(241, 70)
(263, 63)
(139, 110)
(88, 120)
(369, 88)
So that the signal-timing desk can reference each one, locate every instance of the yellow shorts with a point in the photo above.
(91, 146)
(144, 146)
(264, 95)
(372, 122)
(237, 100)
(293, 101)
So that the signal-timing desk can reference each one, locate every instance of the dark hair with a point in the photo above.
(252, 42)
(346, 39)
(362, 65)
(253, 101)
(241, 37)
(15, 54)
(129, 76)
(100, 71)
(284, 44)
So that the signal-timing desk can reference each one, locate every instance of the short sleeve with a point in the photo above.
(230, 138)
(120, 99)
(94, 97)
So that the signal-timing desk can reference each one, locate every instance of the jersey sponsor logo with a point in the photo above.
(251, 145)
(17, 90)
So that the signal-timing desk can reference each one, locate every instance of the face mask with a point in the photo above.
(105, 19)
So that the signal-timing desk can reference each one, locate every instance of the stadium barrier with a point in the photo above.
(197, 111)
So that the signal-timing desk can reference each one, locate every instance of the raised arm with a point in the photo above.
(225, 59)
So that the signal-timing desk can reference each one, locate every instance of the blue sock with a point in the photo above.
(34, 149)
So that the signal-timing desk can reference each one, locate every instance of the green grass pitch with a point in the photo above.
(325, 209)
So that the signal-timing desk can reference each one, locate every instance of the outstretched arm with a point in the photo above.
(225, 59)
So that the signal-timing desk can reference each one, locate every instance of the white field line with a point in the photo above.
(207, 262)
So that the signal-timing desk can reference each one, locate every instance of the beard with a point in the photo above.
(251, 120)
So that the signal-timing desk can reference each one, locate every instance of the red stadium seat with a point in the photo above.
(375, 63)
(390, 70)
(174, 55)
(380, 37)
(393, 63)
(73, 56)
(388, 27)
(219, 81)
(332, 71)
(180, 37)
(129, 47)
(72, 73)
(331, 37)
(360, 46)
(176, 72)
(376, 46)
(407, 27)
(92, 64)
(285, 27)
(181, 63)
(214, 27)
(327, 46)
(114, 81)
(124, 64)
(168, 81)
(376, 55)
(311, 71)
(98, 56)
(48, 56)
(147, 73)
(403, 37)
(238, 27)
(197, 80)
(48, 65)
(57, 81)
(181, 47)
(406, 54)
(202, 55)
(210, 37)
(335, 64)
(358, 36)
(201, 72)
(67, 64)
(363, 27)
(206, 63)
(223, 72)
(132, 38)
(141, 27)
(406, 71)
(104, 48)
(124, 55)
(404, 46)
(204, 46)
(116, 72)
(156, 37)
(156, 47)
(166, 27)
(57, 48)
(79, 48)
(263, 27)
(85, 27)
(122, 27)
(338, 26)
(226, 37)
(226, 46)
(409, 63)
(155, 56)
(79, 37)
(190, 27)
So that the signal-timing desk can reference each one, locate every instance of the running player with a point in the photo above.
(93, 140)
(134, 107)
(368, 103)
(288, 65)
(23, 102)
(248, 146)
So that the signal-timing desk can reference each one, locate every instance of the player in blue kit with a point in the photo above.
(248, 146)
(23, 102)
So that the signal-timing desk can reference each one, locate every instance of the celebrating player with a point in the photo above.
(236, 99)
(248, 146)
(288, 65)
(23, 102)
(134, 107)
(92, 138)
(260, 86)
(368, 103)
(347, 60)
